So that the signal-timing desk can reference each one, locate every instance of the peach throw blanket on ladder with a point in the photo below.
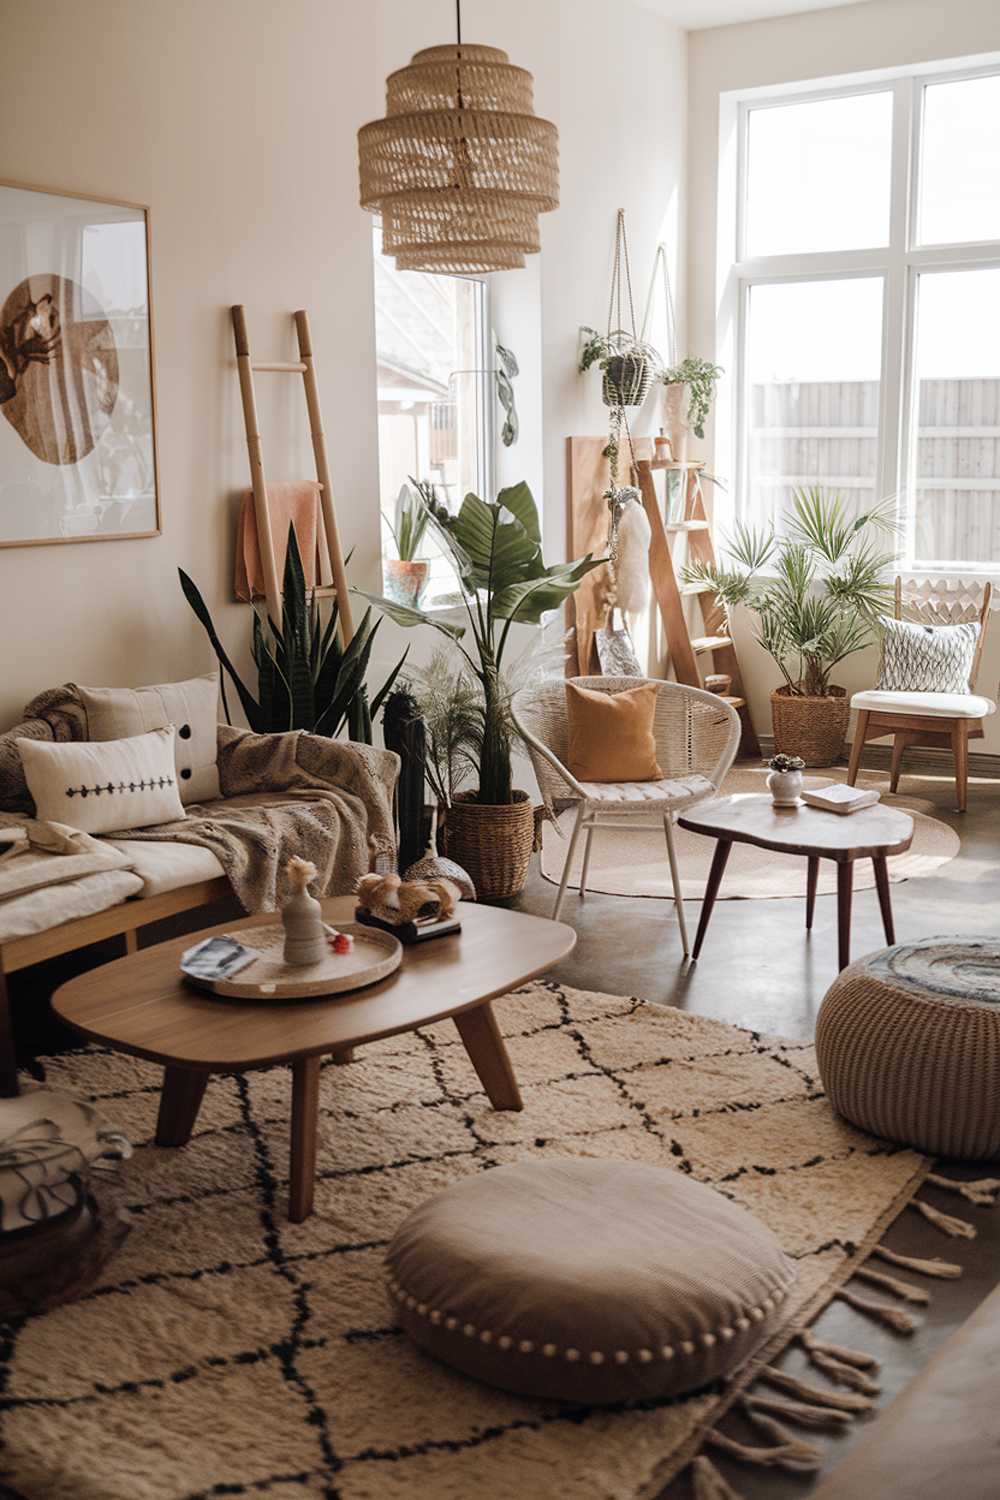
(295, 503)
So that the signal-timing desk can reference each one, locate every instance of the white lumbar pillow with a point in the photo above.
(192, 707)
(103, 786)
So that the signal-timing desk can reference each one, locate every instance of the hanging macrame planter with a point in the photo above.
(461, 166)
(629, 363)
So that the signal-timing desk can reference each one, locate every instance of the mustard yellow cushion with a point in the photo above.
(611, 734)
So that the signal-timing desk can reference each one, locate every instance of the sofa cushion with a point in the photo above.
(166, 866)
(193, 709)
(610, 735)
(587, 1280)
(130, 783)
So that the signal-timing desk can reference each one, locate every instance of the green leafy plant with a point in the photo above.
(786, 763)
(600, 349)
(449, 700)
(411, 522)
(496, 550)
(305, 678)
(824, 589)
(700, 376)
(506, 372)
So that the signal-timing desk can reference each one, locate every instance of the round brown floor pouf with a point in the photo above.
(908, 1042)
(588, 1281)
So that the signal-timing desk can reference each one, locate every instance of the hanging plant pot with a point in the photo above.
(493, 844)
(811, 728)
(405, 581)
(626, 379)
(675, 422)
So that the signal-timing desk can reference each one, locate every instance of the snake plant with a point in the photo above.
(306, 679)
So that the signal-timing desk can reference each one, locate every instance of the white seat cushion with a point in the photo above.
(933, 705)
(669, 789)
(165, 866)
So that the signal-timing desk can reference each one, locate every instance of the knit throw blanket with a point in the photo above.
(328, 801)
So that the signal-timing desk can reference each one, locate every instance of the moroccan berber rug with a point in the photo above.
(635, 864)
(227, 1352)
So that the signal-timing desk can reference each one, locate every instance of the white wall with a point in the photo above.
(235, 121)
(821, 44)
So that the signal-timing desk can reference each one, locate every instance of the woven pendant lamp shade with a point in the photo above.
(461, 167)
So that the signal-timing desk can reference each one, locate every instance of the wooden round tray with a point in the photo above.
(374, 955)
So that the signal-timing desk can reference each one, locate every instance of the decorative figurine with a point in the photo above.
(302, 916)
(397, 903)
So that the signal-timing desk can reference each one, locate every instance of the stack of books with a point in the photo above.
(839, 798)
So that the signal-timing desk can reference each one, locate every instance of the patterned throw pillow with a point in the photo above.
(102, 786)
(926, 658)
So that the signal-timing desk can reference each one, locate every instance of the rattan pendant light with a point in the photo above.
(461, 167)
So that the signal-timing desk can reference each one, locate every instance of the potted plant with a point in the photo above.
(785, 779)
(627, 364)
(817, 602)
(687, 400)
(496, 550)
(406, 573)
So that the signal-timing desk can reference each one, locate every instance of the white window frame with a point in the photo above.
(899, 264)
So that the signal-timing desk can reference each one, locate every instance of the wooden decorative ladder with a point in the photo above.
(693, 531)
(304, 366)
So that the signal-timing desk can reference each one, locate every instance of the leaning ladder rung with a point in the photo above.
(276, 368)
(703, 643)
(686, 526)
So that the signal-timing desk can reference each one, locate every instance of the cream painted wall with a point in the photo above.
(235, 121)
(821, 44)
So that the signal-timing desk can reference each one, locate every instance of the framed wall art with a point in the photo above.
(77, 397)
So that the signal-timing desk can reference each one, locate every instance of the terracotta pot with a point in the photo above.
(492, 843)
(405, 581)
(812, 728)
(675, 423)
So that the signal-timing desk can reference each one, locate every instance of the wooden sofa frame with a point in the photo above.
(123, 920)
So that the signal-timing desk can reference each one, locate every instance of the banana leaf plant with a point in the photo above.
(305, 678)
(496, 550)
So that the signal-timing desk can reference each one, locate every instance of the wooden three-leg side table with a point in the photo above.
(141, 1005)
(874, 833)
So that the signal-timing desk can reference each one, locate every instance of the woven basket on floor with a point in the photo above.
(908, 1045)
(493, 844)
(813, 728)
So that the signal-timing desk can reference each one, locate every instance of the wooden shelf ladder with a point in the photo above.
(694, 533)
(247, 367)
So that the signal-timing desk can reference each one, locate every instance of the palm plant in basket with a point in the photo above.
(496, 550)
(817, 591)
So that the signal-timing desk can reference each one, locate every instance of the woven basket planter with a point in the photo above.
(493, 844)
(626, 380)
(812, 728)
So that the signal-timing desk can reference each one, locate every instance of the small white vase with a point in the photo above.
(305, 934)
(785, 788)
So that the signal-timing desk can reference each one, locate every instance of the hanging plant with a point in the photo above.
(627, 363)
(506, 372)
(700, 376)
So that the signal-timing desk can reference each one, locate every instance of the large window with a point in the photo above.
(865, 300)
(433, 354)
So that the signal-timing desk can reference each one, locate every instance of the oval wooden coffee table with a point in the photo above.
(140, 1004)
(752, 818)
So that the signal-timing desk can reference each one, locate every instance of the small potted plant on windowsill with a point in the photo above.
(689, 390)
(785, 779)
(406, 574)
(627, 364)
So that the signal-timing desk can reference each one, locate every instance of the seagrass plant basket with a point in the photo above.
(493, 843)
(812, 728)
(627, 379)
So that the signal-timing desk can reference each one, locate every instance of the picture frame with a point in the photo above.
(78, 434)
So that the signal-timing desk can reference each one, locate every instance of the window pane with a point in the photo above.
(960, 162)
(956, 465)
(814, 359)
(431, 417)
(818, 175)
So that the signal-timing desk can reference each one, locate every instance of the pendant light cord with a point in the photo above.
(458, 20)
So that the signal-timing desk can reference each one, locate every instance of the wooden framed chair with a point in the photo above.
(945, 720)
(696, 733)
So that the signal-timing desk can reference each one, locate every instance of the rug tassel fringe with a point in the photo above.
(903, 1289)
(709, 1483)
(946, 1269)
(788, 1453)
(959, 1229)
(983, 1191)
(781, 1381)
(802, 1413)
(892, 1317)
(843, 1366)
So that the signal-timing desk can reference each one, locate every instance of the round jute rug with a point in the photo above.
(635, 864)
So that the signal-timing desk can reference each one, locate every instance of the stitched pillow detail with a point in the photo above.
(610, 735)
(926, 658)
(104, 786)
(193, 709)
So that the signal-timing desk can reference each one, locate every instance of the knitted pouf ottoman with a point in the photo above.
(587, 1280)
(908, 1043)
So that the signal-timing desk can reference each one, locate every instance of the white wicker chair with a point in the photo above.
(696, 734)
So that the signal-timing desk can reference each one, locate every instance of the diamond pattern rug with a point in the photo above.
(227, 1352)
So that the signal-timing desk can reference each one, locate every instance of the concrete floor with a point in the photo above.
(758, 969)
